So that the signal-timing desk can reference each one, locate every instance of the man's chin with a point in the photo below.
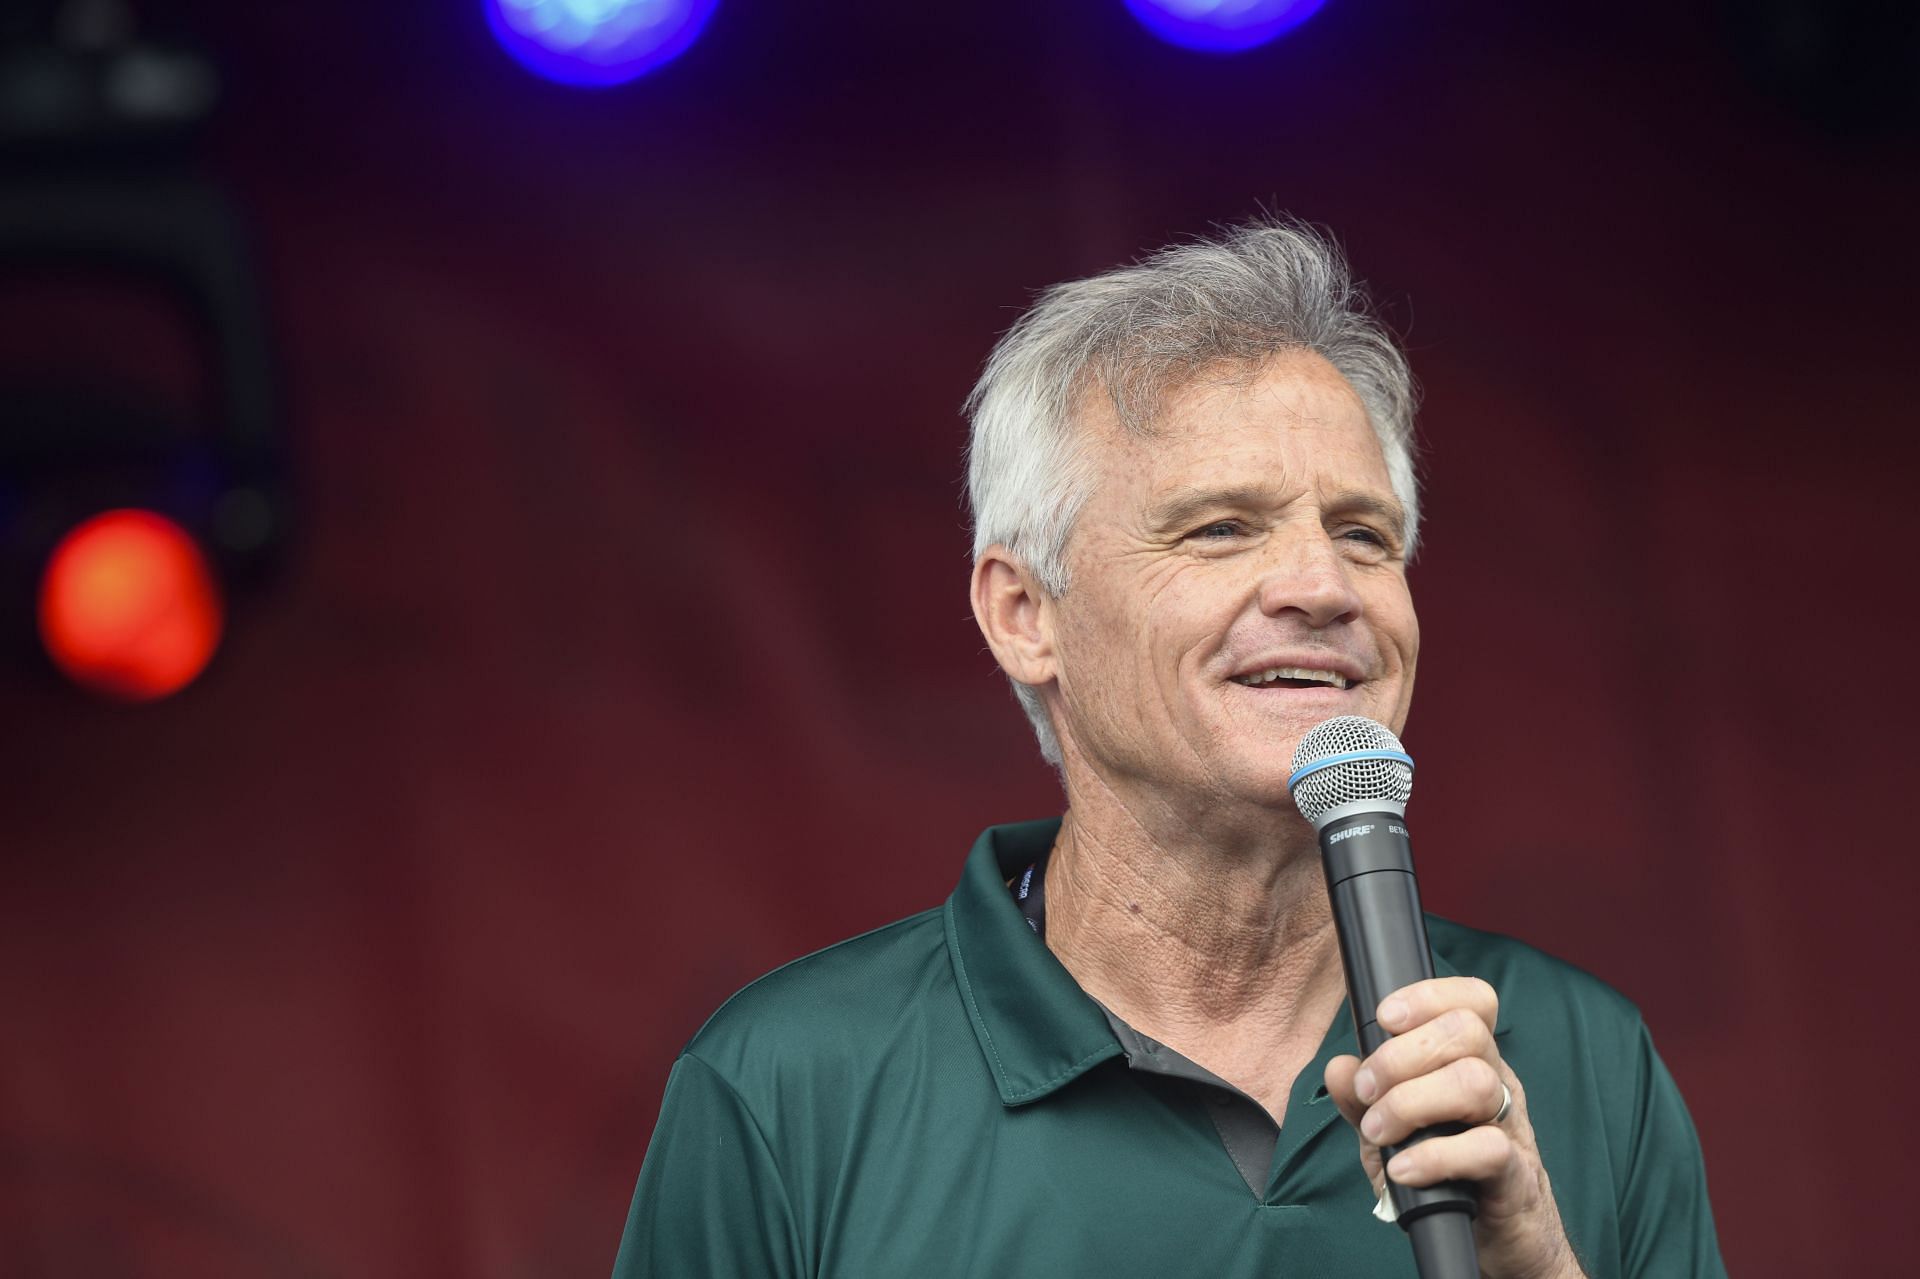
(1261, 788)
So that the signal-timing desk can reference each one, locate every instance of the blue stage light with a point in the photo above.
(593, 43)
(1221, 26)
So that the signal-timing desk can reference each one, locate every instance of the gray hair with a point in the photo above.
(1140, 333)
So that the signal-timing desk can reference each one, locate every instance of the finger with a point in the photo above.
(1485, 1154)
(1466, 1091)
(1339, 1080)
(1455, 1034)
(1421, 1002)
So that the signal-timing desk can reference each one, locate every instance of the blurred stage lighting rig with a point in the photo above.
(595, 44)
(1221, 26)
(142, 472)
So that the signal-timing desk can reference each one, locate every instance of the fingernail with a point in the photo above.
(1364, 1086)
(1372, 1125)
(1393, 1012)
(1400, 1166)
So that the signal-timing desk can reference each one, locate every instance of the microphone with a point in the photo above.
(1351, 779)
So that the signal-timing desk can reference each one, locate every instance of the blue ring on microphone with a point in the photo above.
(1399, 757)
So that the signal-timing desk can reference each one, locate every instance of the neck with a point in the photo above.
(1219, 943)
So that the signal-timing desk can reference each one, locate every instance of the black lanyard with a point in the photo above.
(1030, 894)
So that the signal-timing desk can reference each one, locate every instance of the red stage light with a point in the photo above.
(129, 607)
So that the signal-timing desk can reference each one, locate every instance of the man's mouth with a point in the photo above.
(1294, 677)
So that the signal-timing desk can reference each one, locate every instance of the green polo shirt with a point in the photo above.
(940, 1098)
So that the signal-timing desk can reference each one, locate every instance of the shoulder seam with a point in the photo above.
(773, 1159)
(798, 960)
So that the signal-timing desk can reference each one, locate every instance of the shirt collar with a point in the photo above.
(1037, 1029)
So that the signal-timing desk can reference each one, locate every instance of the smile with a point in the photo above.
(1293, 677)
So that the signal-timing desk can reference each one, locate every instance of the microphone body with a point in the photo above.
(1368, 858)
(1356, 800)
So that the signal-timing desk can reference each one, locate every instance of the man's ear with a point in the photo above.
(1015, 614)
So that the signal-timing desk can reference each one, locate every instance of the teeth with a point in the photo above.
(1292, 672)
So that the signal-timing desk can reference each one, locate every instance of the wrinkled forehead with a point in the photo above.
(1129, 417)
(1137, 396)
(1236, 438)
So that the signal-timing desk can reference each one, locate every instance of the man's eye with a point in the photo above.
(1220, 529)
(1373, 543)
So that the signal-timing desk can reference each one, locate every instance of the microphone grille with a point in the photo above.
(1346, 760)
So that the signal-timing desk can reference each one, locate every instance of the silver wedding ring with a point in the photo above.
(1506, 1104)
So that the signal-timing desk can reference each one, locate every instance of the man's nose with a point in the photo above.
(1305, 573)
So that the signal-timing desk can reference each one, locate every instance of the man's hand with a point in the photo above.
(1442, 1065)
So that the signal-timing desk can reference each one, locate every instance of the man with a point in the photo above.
(1119, 1048)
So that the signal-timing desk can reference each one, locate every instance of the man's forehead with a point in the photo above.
(1144, 404)
(1259, 404)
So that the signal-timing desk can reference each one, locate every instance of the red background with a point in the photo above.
(625, 654)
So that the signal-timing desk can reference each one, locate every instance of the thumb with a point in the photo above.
(1339, 1080)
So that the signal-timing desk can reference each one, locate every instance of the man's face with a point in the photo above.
(1253, 530)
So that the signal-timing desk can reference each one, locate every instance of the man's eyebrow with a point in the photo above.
(1185, 507)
